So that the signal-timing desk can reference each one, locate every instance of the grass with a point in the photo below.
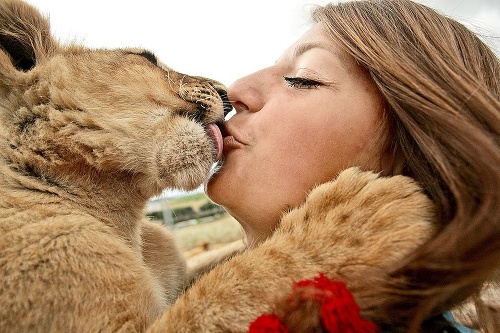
(194, 200)
(223, 230)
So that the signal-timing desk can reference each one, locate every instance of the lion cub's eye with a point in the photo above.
(148, 55)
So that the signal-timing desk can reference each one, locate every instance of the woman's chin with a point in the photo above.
(213, 191)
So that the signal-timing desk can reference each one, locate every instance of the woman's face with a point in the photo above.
(298, 124)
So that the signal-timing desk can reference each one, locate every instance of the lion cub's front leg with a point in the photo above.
(164, 259)
(355, 228)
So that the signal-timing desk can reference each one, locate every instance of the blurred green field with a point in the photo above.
(217, 229)
(194, 200)
(222, 230)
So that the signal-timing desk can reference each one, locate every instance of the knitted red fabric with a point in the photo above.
(339, 311)
(267, 323)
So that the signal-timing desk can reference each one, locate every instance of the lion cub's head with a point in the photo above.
(69, 109)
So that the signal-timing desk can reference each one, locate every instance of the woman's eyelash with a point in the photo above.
(301, 83)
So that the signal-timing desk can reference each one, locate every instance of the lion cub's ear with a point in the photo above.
(24, 35)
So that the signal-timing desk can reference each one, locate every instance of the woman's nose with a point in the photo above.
(247, 94)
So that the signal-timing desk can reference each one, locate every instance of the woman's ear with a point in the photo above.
(24, 34)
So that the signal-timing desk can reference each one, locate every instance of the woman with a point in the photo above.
(389, 86)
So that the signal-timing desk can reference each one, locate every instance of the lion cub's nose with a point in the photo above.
(222, 91)
(228, 107)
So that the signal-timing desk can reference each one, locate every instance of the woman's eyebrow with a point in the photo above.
(342, 57)
(304, 47)
(300, 49)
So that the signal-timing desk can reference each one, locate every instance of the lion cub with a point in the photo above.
(86, 138)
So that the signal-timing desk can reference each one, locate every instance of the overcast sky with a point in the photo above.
(221, 39)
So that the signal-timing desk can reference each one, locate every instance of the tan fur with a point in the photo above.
(204, 262)
(357, 229)
(86, 138)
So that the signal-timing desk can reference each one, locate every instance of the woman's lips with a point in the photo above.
(230, 143)
(231, 139)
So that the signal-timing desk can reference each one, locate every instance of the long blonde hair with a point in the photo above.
(441, 86)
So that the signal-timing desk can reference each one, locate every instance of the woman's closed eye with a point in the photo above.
(301, 83)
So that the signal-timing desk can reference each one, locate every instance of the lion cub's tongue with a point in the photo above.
(216, 135)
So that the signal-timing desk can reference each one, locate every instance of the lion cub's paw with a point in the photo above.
(360, 190)
(364, 216)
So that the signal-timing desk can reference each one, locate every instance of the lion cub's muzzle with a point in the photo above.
(207, 105)
(208, 96)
